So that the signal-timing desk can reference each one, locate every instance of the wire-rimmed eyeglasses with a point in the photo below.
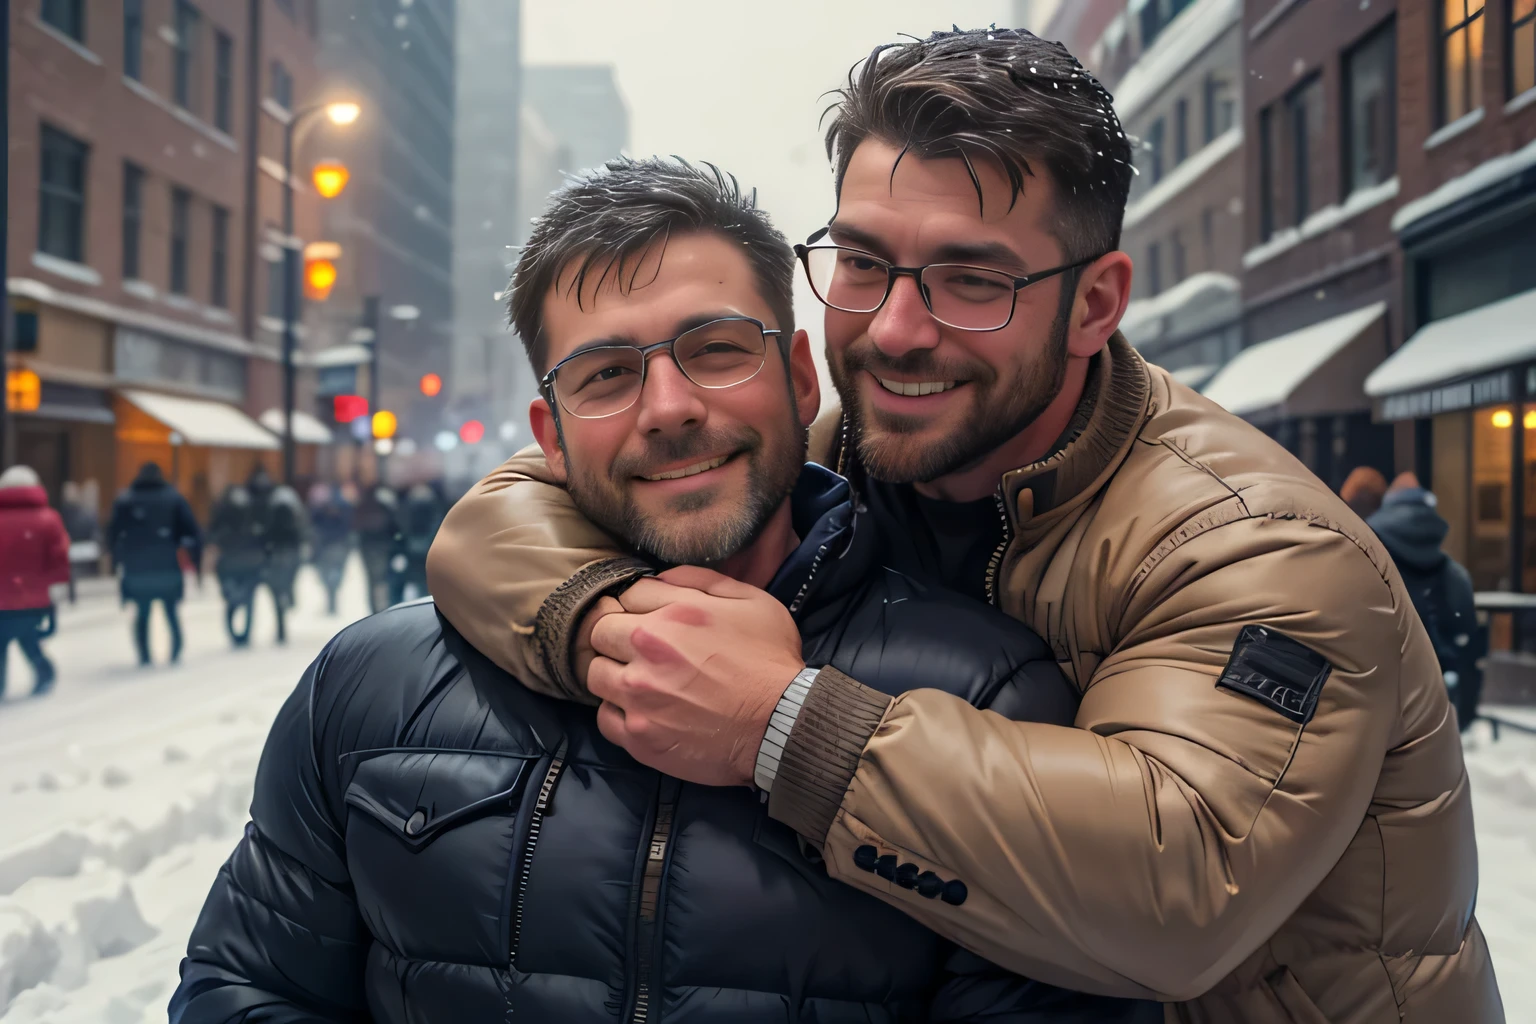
(605, 380)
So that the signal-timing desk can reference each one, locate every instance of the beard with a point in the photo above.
(888, 446)
(703, 527)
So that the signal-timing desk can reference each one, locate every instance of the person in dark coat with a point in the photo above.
(330, 517)
(81, 521)
(1441, 589)
(378, 540)
(420, 516)
(34, 555)
(151, 526)
(237, 529)
(286, 535)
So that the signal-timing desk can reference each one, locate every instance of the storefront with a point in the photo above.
(311, 443)
(1306, 389)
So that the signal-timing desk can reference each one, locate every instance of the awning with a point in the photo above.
(1480, 340)
(1316, 371)
(1195, 376)
(202, 422)
(306, 428)
(1194, 304)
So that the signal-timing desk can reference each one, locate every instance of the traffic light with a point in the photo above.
(384, 424)
(431, 385)
(347, 408)
(330, 178)
(472, 431)
(319, 278)
(24, 390)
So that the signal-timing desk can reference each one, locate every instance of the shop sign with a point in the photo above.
(1493, 389)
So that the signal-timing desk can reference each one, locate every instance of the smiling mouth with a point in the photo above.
(693, 470)
(914, 389)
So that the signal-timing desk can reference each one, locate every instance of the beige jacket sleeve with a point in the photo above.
(1153, 848)
(515, 567)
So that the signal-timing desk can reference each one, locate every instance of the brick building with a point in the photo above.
(139, 140)
(1319, 264)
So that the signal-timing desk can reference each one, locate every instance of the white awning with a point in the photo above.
(202, 422)
(306, 428)
(1195, 376)
(1192, 305)
(1487, 338)
(1315, 371)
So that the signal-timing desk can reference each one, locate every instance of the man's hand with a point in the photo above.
(690, 671)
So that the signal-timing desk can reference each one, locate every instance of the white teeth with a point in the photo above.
(693, 470)
(916, 388)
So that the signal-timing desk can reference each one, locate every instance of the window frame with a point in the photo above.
(133, 39)
(1180, 131)
(52, 193)
(218, 261)
(223, 81)
(1388, 30)
(134, 177)
(66, 16)
(180, 236)
(1443, 35)
(1514, 27)
(279, 75)
(1154, 269)
(1267, 156)
(1157, 137)
(185, 69)
(1298, 127)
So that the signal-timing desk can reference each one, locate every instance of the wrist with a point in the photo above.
(781, 722)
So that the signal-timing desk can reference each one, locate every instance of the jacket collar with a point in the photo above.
(1115, 404)
(834, 555)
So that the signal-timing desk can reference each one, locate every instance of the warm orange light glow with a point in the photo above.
(330, 178)
(1530, 420)
(319, 279)
(24, 390)
(431, 385)
(384, 424)
(343, 114)
(1503, 419)
(471, 432)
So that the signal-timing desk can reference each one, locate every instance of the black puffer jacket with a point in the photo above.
(433, 842)
(151, 522)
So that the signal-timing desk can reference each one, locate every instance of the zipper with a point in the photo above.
(794, 606)
(996, 561)
(648, 931)
(535, 824)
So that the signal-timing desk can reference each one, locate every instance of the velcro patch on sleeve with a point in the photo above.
(1273, 669)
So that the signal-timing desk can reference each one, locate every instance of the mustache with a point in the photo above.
(919, 362)
(691, 447)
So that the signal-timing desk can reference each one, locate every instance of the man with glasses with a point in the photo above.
(1262, 814)
(432, 841)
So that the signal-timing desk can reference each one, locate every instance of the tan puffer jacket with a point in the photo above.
(1263, 815)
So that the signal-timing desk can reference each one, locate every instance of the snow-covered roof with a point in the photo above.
(1492, 336)
(1183, 176)
(1484, 175)
(1186, 38)
(201, 422)
(1142, 320)
(306, 428)
(1268, 375)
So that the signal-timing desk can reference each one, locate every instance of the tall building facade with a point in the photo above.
(582, 105)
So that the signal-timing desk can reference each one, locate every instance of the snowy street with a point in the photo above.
(123, 791)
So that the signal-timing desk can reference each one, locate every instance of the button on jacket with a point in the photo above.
(431, 841)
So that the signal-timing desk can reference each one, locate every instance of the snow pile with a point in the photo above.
(1484, 175)
(1322, 221)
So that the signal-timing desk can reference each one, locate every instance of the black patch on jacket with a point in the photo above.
(1275, 670)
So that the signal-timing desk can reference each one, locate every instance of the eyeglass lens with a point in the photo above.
(608, 380)
(970, 298)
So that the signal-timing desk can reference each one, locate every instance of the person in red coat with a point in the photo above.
(34, 555)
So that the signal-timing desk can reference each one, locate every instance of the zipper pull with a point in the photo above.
(545, 804)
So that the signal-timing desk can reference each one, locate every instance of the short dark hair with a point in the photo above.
(605, 221)
(1004, 94)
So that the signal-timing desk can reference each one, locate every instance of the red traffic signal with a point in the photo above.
(431, 385)
(472, 431)
(347, 408)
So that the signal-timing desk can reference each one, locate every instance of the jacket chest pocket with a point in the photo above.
(430, 843)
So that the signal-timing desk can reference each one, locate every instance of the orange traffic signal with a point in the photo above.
(330, 178)
(384, 424)
(24, 390)
(431, 385)
(319, 279)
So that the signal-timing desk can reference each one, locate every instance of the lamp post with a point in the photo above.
(340, 114)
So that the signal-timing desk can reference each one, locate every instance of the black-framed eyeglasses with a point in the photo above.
(607, 379)
(958, 295)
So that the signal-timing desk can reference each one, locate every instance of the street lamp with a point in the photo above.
(340, 114)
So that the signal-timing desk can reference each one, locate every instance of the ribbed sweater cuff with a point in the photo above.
(822, 755)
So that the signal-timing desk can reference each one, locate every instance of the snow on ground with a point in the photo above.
(122, 793)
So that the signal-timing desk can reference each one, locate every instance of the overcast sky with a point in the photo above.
(740, 82)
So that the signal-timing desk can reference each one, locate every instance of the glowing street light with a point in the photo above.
(343, 113)
(431, 385)
(330, 178)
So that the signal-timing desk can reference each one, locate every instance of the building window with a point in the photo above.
(133, 219)
(1269, 181)
(1155, 141)
(68, 16)
(1461, 58)
(1220, 106)
(61, 199)
(1180, 131)
(1180, 258)
(223, 82)
(181, 231)
(1208, 234)
(218, 265)
(1304, 136)
(1155, 16)
(275, 287)
(282, 85)
(1154, 270)
(1370, 110)
(133, 38)
(1522, 46)
(188, 27)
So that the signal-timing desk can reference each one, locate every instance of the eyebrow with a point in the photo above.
(984, 254)
(682, 326)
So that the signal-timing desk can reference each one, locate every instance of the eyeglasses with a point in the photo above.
(960, 296)
(608, 379)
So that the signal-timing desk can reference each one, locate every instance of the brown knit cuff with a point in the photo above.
(822, 755)
(559, 619)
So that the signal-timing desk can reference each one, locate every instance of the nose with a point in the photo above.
(670, 402)
(903, 324)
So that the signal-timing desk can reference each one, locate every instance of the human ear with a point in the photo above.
(546, 430)
(803, 378)
(1103, 291)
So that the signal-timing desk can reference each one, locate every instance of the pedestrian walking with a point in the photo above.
(1412, 531)
(83, 525)
(287, 530)
(378, 539)
(151, 527)
(34, 555)
(238, 530)
(1363, 490)
(420, 518)
(330, 518)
